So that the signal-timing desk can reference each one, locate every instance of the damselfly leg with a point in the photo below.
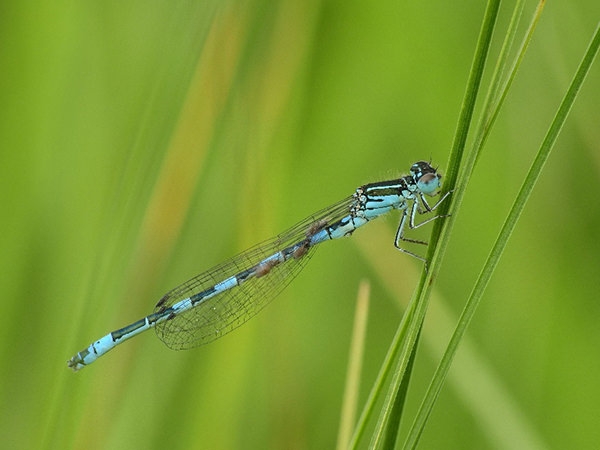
(410, 215)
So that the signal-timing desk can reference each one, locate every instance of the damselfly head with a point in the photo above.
(426, 177)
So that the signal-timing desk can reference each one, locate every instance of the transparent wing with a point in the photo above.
(218, 315)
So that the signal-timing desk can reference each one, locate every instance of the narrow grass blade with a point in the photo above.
(501, 241)
(496, 98)
(382, 434)
(473, 378)
(355, 361)
(384, 371)
(391, 431)
(493, 94)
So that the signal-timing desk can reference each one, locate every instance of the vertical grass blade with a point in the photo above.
(494, 87)
(496, 96)
(357, 346)
(498, 248)
(384, 371)
(381, 437)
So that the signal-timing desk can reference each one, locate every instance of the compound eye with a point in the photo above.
(428, 178)
(428, 183)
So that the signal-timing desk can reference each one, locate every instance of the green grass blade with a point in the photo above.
(494, 88)
(501, 241)
(474, 378)
(492, 108)
(357, 346)
(384, 371)
(500, 67)
(382, 434)
(391, 431)
(491, 112)
(466, 113)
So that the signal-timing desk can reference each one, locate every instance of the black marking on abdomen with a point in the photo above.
(287, 252)
(116, 335)
(242, 276)
(153, 318)
(340, 223)
(202, 295)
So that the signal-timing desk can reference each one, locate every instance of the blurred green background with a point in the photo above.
(143, 142)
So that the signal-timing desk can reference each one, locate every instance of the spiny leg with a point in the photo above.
(400, 232)
(432, 208)
(416, 207)
(412, 224)
(400, 236)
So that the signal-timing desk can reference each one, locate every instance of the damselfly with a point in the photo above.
(219, 300)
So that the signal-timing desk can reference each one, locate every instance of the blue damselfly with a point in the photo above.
(219, 300)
